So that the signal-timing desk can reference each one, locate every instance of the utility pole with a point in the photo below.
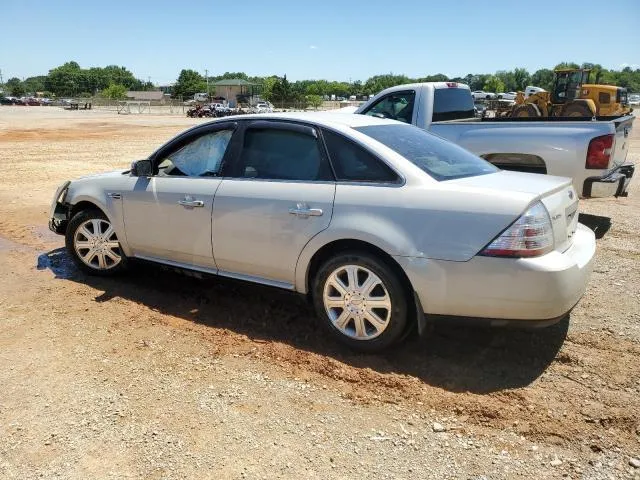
(206, 75)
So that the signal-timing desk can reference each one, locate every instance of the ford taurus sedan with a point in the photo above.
(382, 225)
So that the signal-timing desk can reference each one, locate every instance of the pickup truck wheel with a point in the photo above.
(93, 244)
(361, 301)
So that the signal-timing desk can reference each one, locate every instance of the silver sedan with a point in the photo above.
(382, 225)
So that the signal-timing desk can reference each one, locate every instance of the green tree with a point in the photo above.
(494, 84)
(543, 78)
(15, 87)
(34, 84)
(315, 101)
(115, 91)
(521, 77)
(189, 82)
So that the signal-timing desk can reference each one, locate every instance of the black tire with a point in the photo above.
(111, 268)
(577, 109)
(525, 110)
(391, 281)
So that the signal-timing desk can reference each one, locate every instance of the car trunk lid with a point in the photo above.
(556, 194)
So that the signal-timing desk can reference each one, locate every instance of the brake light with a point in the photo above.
(529, 236)
(599, 152)
(452, 84)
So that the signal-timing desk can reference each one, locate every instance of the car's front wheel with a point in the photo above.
(361, 300)
(93, 244)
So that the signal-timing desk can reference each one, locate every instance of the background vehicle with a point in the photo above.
(317, 204)
(482, 95)
(634, 99)
(592, 153)
(263, 107)
(530, 90)
(507, 95)
(573, 96)
(480, 109)
(201, 97)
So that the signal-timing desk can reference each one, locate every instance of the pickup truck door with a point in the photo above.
(167, 216)
(399, 105)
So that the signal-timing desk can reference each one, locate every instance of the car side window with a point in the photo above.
(281, 154)
(200, 157)
(353, 163)
(396, 106)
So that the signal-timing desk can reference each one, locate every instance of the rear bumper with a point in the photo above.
(497, 290)
(613, 185)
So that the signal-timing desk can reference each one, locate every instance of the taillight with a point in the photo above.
(529, 236)
(599, 152)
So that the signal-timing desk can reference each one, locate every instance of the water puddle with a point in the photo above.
(59, 262)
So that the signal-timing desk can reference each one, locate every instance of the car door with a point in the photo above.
(276, 195)
(168, 215)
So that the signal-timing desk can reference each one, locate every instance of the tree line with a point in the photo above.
(112, 81)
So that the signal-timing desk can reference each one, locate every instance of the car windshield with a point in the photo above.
(439, 158)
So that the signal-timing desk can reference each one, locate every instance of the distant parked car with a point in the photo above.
(381, 224)
(6, 101)
(634, 99)
(482, 95)
(530, 90)
(263, 107)
(479, 109)
(507, 96)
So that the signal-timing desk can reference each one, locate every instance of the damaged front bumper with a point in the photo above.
(59, 213)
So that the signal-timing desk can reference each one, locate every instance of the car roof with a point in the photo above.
(323, 119)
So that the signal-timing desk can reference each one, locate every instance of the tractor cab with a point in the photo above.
(568, 85)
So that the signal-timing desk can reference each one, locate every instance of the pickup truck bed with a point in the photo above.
(591, 151)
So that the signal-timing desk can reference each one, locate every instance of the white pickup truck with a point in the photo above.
(591, 151)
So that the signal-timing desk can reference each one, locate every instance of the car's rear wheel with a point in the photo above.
(361, 300)
(93, 244)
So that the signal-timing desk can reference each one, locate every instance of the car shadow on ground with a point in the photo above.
(456, 358)
(598, 223)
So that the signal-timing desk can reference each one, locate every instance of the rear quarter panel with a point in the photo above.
(436, 221)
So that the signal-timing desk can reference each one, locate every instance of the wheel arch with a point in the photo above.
(111, 209)
(350, 244)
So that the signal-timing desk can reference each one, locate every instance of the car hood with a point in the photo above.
(113, 173)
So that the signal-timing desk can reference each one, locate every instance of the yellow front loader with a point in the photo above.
(573, 96)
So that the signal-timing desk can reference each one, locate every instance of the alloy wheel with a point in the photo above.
(357, 302)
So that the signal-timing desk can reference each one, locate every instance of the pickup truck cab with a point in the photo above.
(591, 151)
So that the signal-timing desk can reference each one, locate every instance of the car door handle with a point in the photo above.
(191, 203)
(304, 211)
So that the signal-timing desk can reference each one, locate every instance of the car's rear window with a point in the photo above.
(452, 104)
(439, 158)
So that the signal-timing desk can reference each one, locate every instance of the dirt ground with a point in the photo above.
(159, 375)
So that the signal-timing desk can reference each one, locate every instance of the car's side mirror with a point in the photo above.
(141, 168)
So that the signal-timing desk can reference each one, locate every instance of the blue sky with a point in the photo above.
(331, 39)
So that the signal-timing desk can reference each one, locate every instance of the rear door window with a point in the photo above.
(353, 163)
